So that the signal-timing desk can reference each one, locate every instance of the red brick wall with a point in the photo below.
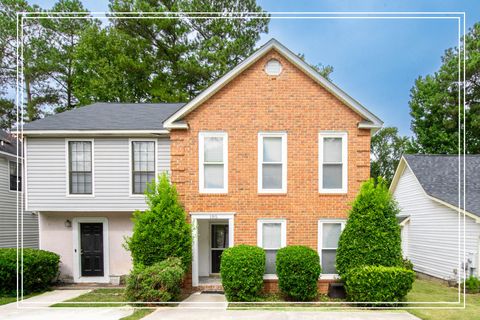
(254, 102)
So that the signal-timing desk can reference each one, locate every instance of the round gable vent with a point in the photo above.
(273, 67)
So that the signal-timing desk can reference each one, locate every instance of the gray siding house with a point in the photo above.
(86, 172)
(11, 198)
(434, 219)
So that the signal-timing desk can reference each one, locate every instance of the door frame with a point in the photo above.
(77, 262)
(195, 216)
(211, 224)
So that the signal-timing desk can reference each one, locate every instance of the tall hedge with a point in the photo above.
(161, 231)
(242, 268)
(372, 234)
(40, 269)
(298, 269)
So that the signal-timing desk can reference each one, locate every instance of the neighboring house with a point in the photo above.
(11, 222)
(427, 188)
(271, 154)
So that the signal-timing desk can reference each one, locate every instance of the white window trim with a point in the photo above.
(344, 137)
(283, 239)
(201, 168)
(130, 163)
(320, 244)
(67, 166)
(272, 134)
(18, 164)
(76, 250)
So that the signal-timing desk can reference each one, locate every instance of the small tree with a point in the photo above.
(372, 234)
(161, 231)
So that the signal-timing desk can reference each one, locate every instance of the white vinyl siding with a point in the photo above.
(433, 232)
(8, 214)
(271, 236)
(213, 162)
(272, 162)
(328, 235)
(332, 162)
(46, 175)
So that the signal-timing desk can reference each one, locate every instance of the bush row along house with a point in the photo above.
(271, 154)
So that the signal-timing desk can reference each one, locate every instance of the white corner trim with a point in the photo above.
(76, 250)
(333, 134)
(130, 163)
(342, 222)
(67, 166)
(272, 134)
(201, 168)
(290, 56)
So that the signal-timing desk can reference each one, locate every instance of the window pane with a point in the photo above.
(272, 235)
(271, 256)
(140, 180)
(272, 149)
(272, 176)
(213, 176)
(213, 149)
(332, 149)
(332, 176)
(328, 261)
(331, 234)
(13, 176)
(13, 168)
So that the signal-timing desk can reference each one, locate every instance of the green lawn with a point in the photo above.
(10, 299)
(138, 314)
(97, 298)
(428, 290)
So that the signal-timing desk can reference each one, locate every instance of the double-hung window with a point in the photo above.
(328, 235)
(80, 167)
(213, 162)
(333, 166)
(143, 164)
(272, 162)
(15, 176)
(271, 236)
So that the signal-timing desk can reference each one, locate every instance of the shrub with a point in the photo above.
(378, 283)
(372, 234)
(298, 269)
(242, 268)
(162, 230)
(40, 269)
(472, 284)
(407, 264)
(159, 282)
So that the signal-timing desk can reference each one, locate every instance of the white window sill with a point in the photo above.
(329, 277)
(213, 191)
(332, 191)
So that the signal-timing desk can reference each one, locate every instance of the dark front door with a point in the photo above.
(219, 243)
(91, 249)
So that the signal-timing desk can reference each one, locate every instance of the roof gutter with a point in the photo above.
(92, 132)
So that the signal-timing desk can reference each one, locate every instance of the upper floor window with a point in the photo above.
(143, 165)
(80, 167)
(333, 166)
(328, 235)
(15, 176)
(271, 236)
(272, 162)
(213, 162)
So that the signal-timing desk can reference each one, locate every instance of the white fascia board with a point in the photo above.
(92, 132)
(293, 58)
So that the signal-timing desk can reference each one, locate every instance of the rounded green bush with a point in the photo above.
(472, 284)
(372, 234)
(298, 269)
(161, 231)
(40, 269)
(242, 268)
(378, 283)
(159, 282)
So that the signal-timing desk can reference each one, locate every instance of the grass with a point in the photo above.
(138, 314)
(9, 299)
(431, 290)
(97, 298)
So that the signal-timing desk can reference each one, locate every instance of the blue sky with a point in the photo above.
(375, 61)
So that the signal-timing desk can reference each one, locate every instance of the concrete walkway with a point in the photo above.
(214, 307)
(37, 308)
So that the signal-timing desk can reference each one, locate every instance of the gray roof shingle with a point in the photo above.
(109, 116)
(439, 177)
(8, 143)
